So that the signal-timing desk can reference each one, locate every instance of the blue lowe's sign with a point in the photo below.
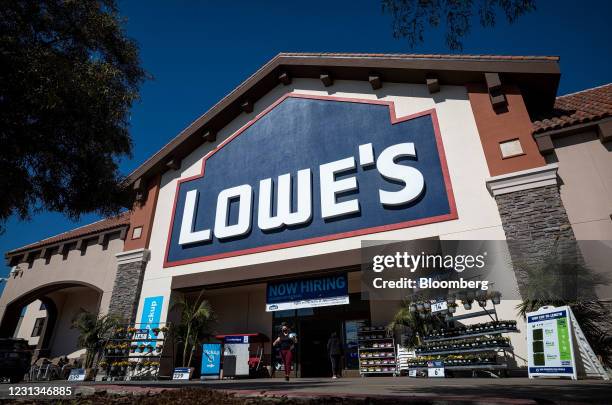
(311, 169)
(307, 293)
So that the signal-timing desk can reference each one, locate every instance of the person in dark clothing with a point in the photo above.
(286, 342)
(334, 348)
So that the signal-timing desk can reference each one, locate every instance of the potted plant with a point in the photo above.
(155, 331)
(196, 319)
(120, 332)
(94, 332)
(142, 347)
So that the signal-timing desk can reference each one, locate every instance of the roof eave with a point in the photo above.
(541, 74)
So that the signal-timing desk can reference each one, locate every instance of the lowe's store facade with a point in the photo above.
(262, 204)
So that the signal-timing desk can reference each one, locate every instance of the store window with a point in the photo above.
(38, 326)
(511, 148)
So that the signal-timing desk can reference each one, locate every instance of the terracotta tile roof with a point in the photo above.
(90, 229)
(577, 108)
(422, 56)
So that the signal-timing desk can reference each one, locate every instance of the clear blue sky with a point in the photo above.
(199, 51)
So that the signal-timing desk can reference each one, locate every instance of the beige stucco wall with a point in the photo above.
(477, 210)
(585, 168)
(26, 323)
(70, 302)
(96, 268)
(239, 309)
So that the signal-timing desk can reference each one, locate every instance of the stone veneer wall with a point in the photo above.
(536, 226)
(126, 291)
(534, 214)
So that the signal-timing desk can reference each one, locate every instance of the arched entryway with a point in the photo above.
(61, 302)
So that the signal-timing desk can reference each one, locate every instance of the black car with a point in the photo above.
(15, 359)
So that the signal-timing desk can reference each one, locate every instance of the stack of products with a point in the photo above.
(467, 344)
(478, 328)
(376, 351)
(466, 347)
(455, 360)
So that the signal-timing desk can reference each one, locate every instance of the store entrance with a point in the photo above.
(313, 346)
(313, 327)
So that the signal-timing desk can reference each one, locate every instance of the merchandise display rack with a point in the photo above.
(468, 348)
(377, 352)
(134, 352)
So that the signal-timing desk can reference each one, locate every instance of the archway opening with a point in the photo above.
(44, 318)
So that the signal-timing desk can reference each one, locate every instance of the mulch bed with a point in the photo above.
(188, 396)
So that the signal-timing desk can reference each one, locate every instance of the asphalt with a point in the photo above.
(446, 390)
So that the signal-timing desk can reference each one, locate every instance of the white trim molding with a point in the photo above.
(131, 256)
(523, 180)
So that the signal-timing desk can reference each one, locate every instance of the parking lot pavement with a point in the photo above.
(468, 390)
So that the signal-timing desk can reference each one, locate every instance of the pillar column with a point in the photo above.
(131, 267)
(533, 216)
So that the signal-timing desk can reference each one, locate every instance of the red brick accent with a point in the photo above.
(142, 216)
(495, 127)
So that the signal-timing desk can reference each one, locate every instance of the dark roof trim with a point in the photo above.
(536, 76)
(105, 226)
(602, 127)
(573, 128)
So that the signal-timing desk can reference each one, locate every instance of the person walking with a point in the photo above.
(334, 348)
(286, 341)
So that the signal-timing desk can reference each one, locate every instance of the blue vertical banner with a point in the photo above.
(151, 314)
(211, 359)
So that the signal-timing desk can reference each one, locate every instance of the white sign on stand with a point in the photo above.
(181, 373)
(438, 307)
(435, 368)
(77, 374)
(550, 347)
